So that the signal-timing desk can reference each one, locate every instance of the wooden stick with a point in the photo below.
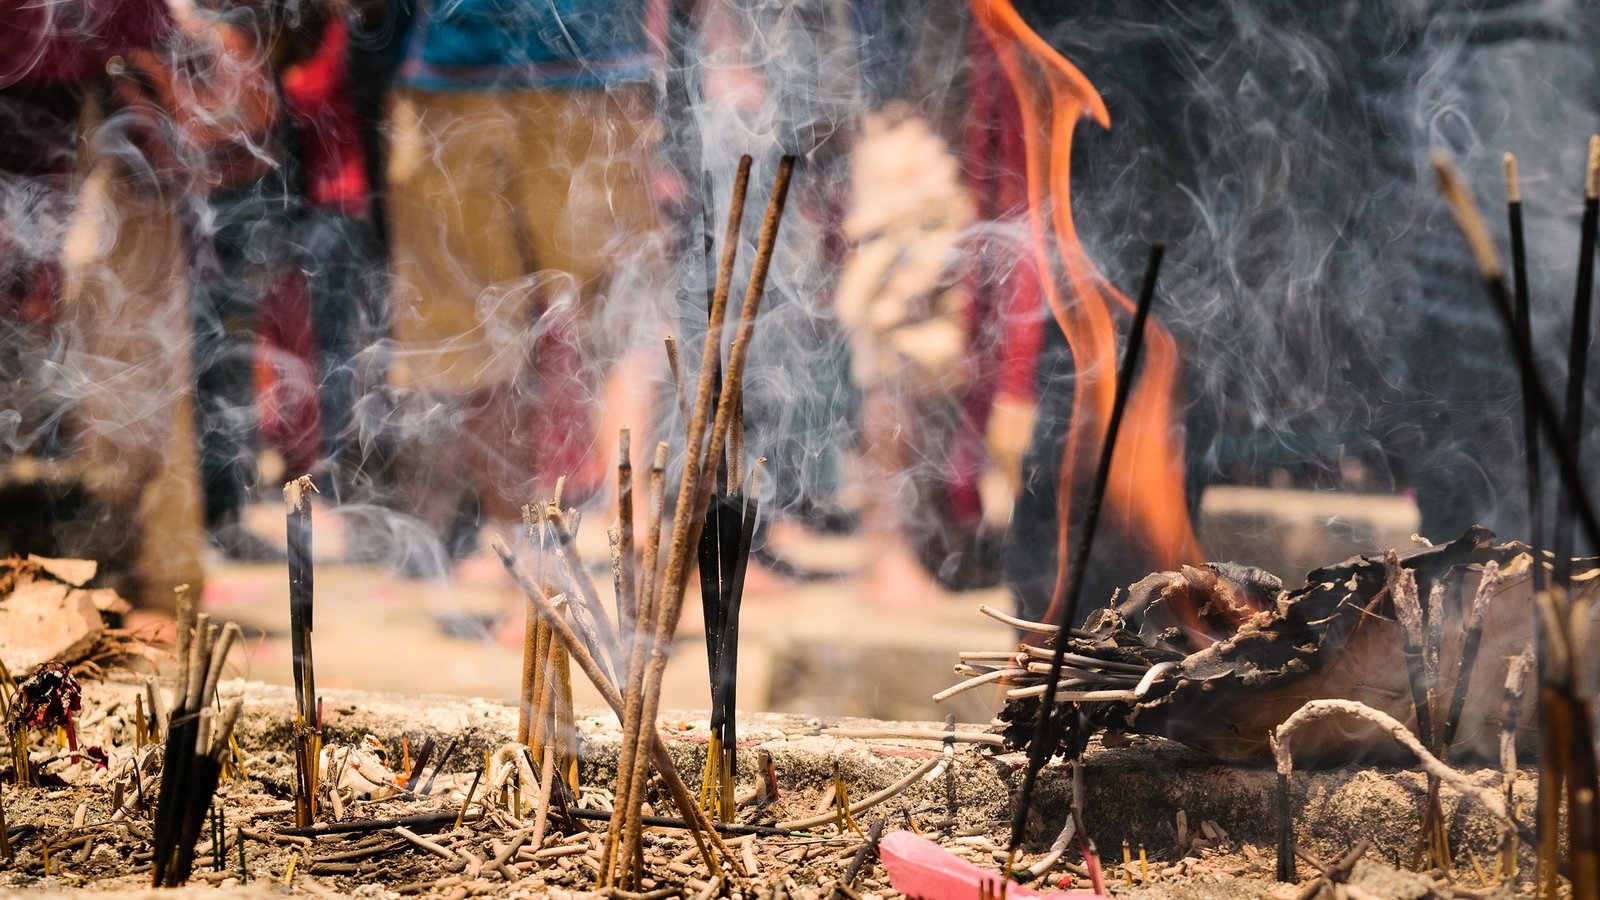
(1510, 712)
(861, 806)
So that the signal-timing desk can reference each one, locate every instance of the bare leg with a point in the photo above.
(896, 577)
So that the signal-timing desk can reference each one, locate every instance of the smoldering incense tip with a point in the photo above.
(1513, 184)
(507, 558)
(1591, 181)
(295, 493)
(1467, 216)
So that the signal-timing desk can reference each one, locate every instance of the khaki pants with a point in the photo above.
(125, 325)
(527, 258)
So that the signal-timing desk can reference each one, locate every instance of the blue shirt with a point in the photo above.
(531, 44)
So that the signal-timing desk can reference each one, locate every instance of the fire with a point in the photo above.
(1145, 498)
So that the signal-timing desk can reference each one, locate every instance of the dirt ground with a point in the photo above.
(1220, 846)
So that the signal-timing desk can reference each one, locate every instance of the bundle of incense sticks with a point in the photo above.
(308, 725)
(628, 671)
(546, 722)
(689, 520)
(723, 553)
(196, 747)
(1567, 760)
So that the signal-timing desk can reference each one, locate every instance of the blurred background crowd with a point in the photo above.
(426, 251)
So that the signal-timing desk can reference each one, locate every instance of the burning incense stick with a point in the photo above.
(694, 493)
(1490, 271)
(631, 758)
(627, 601)
(1524, 325)
(1565, 726)
(1045, 721)
(297, 506)
(1578, 353)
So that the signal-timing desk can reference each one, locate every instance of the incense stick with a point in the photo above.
(608, 692)
(1524, 326)
(679, 392)
(1492, 274)
(638, 651)
(695, 490)
(1045, 721)
(297, 506)
(662, 607)
(586, 608)
(1578, 353)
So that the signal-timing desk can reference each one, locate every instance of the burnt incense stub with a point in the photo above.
(1165, 661)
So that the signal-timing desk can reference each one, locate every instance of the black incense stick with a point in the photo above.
(1578, 354)
(1039, 751)
(1493, 276)
(1524, 323)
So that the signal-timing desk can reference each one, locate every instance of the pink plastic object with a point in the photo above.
(922, 870)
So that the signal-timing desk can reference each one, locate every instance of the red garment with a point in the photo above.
(287, 404)
(1005, 324)
(52, 43)
(317, 94)
(1007, 291)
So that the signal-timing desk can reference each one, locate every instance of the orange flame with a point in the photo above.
(1145, 498)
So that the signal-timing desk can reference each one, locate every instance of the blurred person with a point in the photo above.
(526, 252)
(238, 218)
(93, 329)
(906, 311)
(116, 116)
(336, 245)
